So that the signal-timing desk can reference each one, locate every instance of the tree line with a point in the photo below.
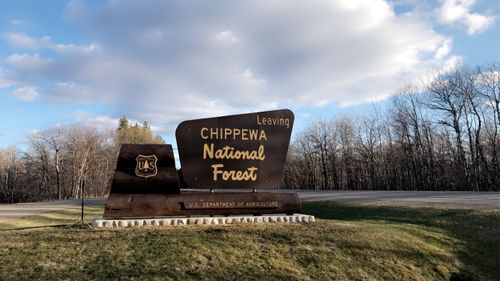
(440, 136)
(60, 161)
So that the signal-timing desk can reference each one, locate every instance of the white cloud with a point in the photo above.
(16, 22)
(251, 79)
(477, 23)
(70, 92)
(154, 34)
(452, 63)
(102, 122)
(170, 61)
(444, 50)
(226, 36)
(78, 48)
(24, 41)
(105, 122)
(28, 62)
(427, 78)
(459, 11)
(26, 94)
(4, 82)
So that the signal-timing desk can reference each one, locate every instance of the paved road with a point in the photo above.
(12, 211)
(469, 200)
(448, 199)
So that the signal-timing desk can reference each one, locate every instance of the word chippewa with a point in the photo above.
(233, 133)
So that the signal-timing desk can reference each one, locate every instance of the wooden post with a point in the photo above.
(82, 188)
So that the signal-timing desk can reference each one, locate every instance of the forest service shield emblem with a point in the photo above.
(146, 166)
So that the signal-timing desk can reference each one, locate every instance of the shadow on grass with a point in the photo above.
(478, 231)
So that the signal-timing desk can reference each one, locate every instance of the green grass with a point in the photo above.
(60, 217)
(471, 238)
(347, 243)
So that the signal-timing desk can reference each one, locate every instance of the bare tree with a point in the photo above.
(443, 136)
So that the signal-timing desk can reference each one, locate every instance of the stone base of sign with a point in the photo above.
(174, 221)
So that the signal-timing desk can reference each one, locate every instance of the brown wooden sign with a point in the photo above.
(145, 169)
(237, 151)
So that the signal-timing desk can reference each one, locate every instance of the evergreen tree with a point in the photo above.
(123, 123)
(127, 133)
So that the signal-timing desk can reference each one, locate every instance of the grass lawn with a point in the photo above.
(346, 243)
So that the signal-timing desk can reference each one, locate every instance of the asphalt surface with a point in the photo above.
(444, 199)
(13, 211)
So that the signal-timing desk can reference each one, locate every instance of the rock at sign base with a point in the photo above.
(165, 222)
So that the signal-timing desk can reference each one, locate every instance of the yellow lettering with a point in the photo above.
(236, 132)
(216, 170)
(203, 136)
(244, 134)
(253, 134)
(262, 135)
(208, 151)
(229, 152)
(214, 133)
(234, 175)
(273, 121)
(262, 155)
(258, 121)
(227, 132)
(233, 133)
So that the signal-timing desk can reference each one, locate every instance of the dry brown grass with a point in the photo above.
(347, 243)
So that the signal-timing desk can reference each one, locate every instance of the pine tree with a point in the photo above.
(123, 123)
(127, 133)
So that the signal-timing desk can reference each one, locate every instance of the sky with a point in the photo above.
(91, 62)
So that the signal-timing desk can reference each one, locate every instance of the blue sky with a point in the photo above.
(91, 62)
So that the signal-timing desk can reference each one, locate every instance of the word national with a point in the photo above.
(228, 152)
